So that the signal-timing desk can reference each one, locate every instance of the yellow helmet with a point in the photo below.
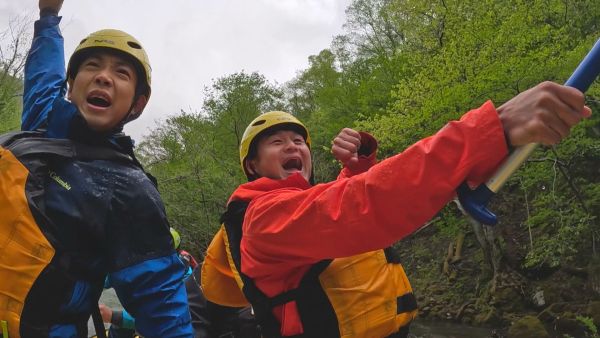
(264, 122)
(116, 40)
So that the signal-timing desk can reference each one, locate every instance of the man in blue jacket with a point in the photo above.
(106, 215)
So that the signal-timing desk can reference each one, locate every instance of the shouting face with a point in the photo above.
(104, 90)
(280, 155)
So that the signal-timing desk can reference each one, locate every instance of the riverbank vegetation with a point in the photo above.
(401, 71)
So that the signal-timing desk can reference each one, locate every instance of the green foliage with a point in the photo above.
(464, 52)
(10, 103)
(401, 70)
(195, 155)
(563, 191)
(14, 41)
(453, 221)
(589, 325)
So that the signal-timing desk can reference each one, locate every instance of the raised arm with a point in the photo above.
(374, 209)
(44, 67)
(356, 151)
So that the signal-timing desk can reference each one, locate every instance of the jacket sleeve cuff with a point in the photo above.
(368, 145)
(367, 156)
(490, 132)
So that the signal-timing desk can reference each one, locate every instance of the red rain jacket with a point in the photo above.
(290, 225)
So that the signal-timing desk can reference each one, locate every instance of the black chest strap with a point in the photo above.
(263, 305)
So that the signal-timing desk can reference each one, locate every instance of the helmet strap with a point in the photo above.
(132, 114)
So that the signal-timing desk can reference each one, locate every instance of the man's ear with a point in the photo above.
(140, 104)
(137, 108)
(69, 88)
(250, 167)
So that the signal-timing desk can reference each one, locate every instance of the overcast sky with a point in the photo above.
(192, 42)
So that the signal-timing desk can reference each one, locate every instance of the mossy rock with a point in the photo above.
(527, 327)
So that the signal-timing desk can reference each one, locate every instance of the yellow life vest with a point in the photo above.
(366, 295)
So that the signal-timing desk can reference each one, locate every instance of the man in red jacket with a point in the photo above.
(310, 259)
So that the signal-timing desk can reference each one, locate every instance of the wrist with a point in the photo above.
(509, 146)
(48, 11)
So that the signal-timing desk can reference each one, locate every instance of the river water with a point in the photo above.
(419, 329)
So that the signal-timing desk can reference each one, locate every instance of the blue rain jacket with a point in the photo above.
(109, 216)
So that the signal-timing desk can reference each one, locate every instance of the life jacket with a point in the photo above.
(32, 259)
(366, 295)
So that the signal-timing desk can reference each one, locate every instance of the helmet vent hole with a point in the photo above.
(134, 45)
(82, 41)
(258, 123)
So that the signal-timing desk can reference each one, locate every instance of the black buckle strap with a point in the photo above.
(283, 298)
(406, 303)
(98, 323)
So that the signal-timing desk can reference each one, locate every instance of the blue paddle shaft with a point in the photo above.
(475, 201)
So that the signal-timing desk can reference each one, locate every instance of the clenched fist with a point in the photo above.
(543, 114)
(50, 6)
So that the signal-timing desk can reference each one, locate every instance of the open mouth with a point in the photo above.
(293, 164)
(98, 100)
